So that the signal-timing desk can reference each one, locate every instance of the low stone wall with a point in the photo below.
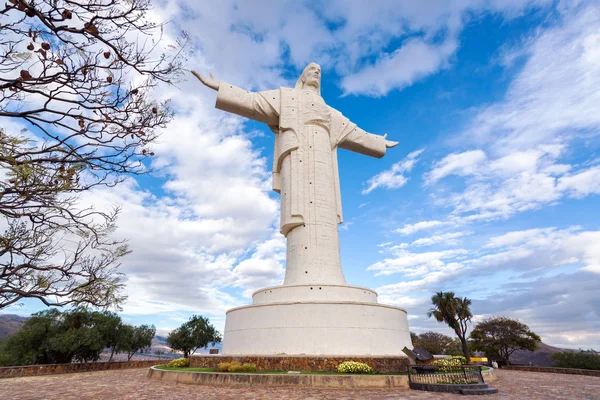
(554, 370)
(49, 369)
(271, 380)
(302, 363)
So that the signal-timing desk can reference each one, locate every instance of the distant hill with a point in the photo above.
(10, 324)
(540, 357)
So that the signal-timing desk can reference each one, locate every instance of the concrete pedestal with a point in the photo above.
(334, 320)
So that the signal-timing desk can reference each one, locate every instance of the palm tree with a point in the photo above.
(456, 313)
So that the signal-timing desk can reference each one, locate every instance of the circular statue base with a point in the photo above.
(316, 320)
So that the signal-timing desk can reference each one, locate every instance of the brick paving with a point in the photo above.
(133, 384)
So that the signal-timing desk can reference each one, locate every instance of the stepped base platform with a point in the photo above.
(470, 389)
(479, 392)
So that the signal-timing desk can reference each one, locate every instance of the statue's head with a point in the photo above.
(311, 76)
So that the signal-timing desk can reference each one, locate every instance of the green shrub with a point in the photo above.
(236, 366)
(582, 360)
(462, 359)
(448, 364)
(179, 363)
(243, 368)
(225, 366)
(354, 367)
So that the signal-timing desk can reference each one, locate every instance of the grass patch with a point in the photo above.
(190, 369)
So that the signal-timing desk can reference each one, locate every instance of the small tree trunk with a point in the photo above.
(186, 353)
(465, 349)
(111, 354)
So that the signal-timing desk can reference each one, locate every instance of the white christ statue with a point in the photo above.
(305, 169)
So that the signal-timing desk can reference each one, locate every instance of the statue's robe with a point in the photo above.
(305, 172)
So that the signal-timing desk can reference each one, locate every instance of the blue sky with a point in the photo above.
(492, 193)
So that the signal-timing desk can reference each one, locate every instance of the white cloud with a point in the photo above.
(547, 277)
(414, 264)
(411, 62)
(516, 182)
(424, 284)
(409, 229)
(466, 163)
(523, 142)
(581, 184)
(446, 238)
(555, 95)
(394, 177)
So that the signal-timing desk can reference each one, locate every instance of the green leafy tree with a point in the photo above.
(52, 337)
(414, 338)
(192, 335)
(456, 313)
(583, 359)
(135, 339)
(455, 348)
(111, 329)
(79, 75)
(499, 337)
(434, 342)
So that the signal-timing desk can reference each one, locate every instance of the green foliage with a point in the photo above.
(453, 380)
(110, 328)
(414, 338)
(448, 365)
(179, 363)
(583, 359)
(54, 337)
(224, 366)
(499, 337)
(455, 348)
(192, 335)
(235, 366)
(455, 312)
(354, 367)
(247, 367)
(83, 88)
(135, 339)
(434, 342)
(462, 359)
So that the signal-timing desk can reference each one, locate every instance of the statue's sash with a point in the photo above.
(288, 137)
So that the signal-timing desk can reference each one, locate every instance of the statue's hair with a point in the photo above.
(300, 84)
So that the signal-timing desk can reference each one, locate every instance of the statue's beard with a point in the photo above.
(314, 83)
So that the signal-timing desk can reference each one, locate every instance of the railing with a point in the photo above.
(466, 374)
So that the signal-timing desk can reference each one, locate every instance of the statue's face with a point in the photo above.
(312, 76)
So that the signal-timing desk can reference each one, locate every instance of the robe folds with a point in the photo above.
(305, 172)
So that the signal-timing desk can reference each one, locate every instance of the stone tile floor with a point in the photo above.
(133, 384)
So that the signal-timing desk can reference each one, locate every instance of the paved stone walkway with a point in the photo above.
(133, 384)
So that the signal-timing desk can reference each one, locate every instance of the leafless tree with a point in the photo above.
(77, 77)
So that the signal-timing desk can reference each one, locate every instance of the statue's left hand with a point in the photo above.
(209, 82)
(389, 143)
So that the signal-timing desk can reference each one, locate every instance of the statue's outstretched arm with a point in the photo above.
(360, 141)
(259, 106)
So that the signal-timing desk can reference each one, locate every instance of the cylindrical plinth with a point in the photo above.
(313, 292)
(316, 328)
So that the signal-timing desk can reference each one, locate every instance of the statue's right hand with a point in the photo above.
(209, 82)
